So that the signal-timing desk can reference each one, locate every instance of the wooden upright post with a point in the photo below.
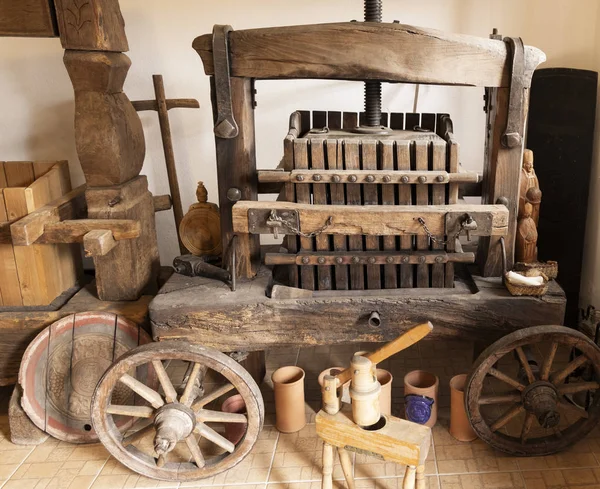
(110, 142)
(236, 171)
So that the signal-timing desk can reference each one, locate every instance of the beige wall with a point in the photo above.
(38, 101)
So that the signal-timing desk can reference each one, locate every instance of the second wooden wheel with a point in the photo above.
(536, 391)
(179, 435)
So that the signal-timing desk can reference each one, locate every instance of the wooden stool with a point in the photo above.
(397, 441)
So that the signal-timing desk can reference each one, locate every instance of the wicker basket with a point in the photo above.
(550, 268)
(530, 290)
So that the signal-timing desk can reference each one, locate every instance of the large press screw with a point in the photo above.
(373, 13)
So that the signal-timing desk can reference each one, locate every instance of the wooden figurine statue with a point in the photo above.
(527, 235)
(528, 181)
(200, 229)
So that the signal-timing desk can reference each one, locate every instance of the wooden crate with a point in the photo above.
(33, 275)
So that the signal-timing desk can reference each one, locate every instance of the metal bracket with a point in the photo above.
(512, 137)
(456, 221)
(260, 221)
(225, 127)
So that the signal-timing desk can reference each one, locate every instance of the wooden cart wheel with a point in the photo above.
(535, 392)
(178, 435)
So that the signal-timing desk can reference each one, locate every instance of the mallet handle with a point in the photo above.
(403, 341)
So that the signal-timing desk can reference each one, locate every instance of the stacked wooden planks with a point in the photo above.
(33, 275)
(427, 145)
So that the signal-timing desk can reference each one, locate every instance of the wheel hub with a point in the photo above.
(541, 399)
(174, 422)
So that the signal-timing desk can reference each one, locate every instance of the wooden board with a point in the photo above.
(422, 197)
(307, 273)
(19, 173)
(381, 220)
(320, 192)
(388, 197)
(371, 197)
(383, 52)
(63, 364)
(27, 18)
(353, 199)
(195, 312)
(10, 291)
(438, 197)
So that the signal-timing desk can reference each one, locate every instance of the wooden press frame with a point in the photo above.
(384, 52)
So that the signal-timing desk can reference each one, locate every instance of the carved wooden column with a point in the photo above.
(110, 142)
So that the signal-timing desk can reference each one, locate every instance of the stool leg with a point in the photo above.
(346, 462)
(409, 477)
(420, 477)
(327, 466)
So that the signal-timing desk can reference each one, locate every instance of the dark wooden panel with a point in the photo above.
(27, 18)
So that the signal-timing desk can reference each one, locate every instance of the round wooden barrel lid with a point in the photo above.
(63, 364)
(200, 228)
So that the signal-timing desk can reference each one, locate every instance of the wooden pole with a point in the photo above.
(165, 130)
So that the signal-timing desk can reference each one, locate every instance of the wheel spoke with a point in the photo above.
(529, 418)
(136, 411)
(525, 364)
(506, 417)
(138, 435)
(165, 382)
(506, 379)
(195, 450)
(578, 387)
(505, 399)
(547, 366)
(561, 375)
(213, 436)
(187, 396)
(574, 410)
(207, 399)
(206, 416)
(150, 395)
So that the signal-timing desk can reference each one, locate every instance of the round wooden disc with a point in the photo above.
(200, 231)
(63, 364)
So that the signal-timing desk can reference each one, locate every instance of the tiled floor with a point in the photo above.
(294, 461)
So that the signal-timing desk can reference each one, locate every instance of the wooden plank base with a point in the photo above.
(207, 312)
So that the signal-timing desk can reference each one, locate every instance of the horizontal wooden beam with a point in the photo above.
(193, 309)
(74, 231)
(366, 176)
(380, 220)
(162, 203)
(177, 103)
(367, 258)
(28, 230)
(369, 51)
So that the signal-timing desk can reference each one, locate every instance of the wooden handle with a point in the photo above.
(402, 342)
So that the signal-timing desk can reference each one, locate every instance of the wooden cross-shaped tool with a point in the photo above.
(162, 105)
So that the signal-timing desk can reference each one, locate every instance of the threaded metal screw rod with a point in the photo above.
(373, 13)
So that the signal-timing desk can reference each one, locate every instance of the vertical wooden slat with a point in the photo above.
(353, 197)
(428, 122)
(317, 147)
(438, 197)
(291, 242)
(422, 196)
(405, 198)
(307, 273)
(9, 281)
(334, 120)
(335, 161)
(319, 119)
(371, 197)
(397, 121)
(3, 182)
(453, 165)
(350, 120)
(388, 197)
(411, 121)
(19, 173)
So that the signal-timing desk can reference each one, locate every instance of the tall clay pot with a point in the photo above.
(234, 432)
(288, 385)
(385, 397)
(421, 397)
(460, 428)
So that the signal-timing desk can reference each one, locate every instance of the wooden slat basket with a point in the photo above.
(33, 275)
